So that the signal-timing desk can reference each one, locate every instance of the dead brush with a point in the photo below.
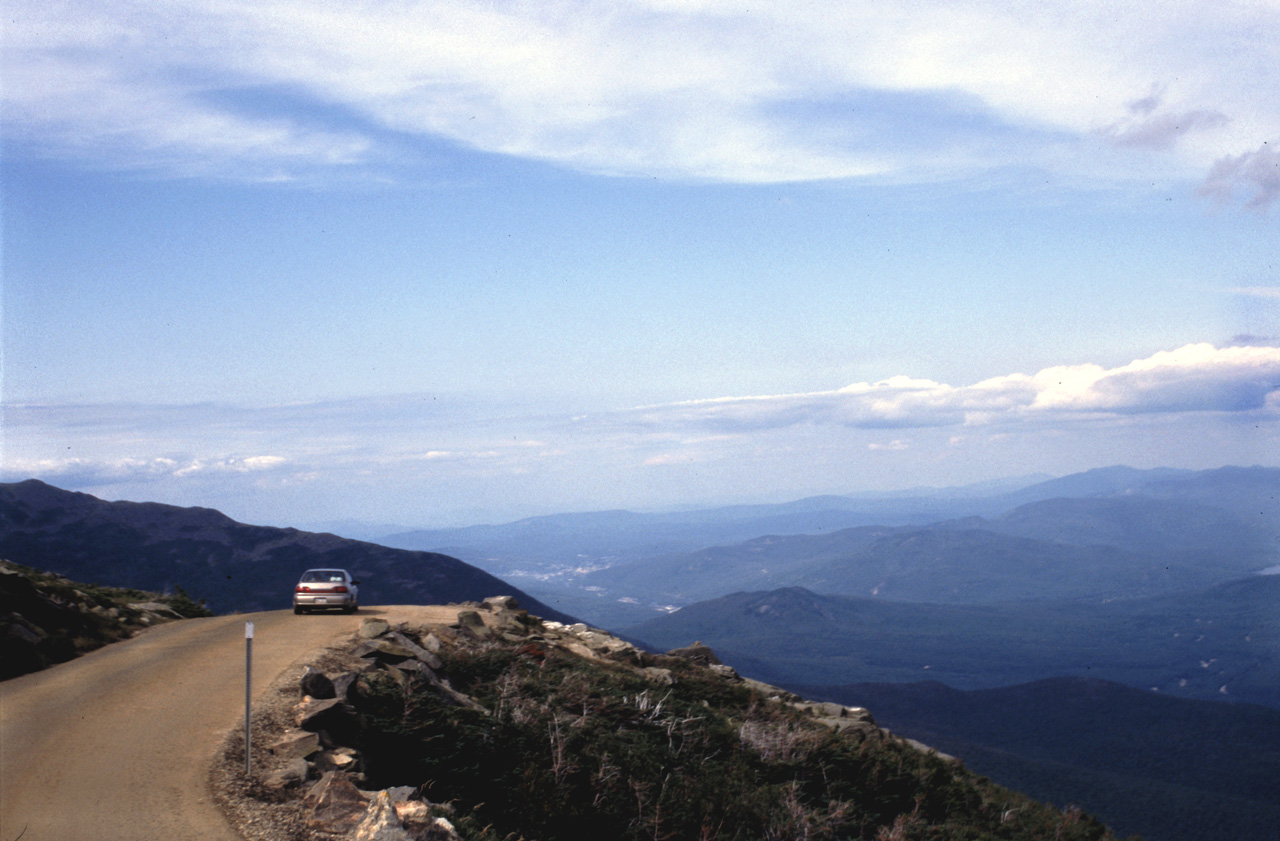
(780, 741)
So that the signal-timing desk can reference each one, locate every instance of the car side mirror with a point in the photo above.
(355, 582)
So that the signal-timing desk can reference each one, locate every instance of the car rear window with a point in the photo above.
(324, 575)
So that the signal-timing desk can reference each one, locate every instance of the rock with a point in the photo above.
(469, 620)
(662, 677)
(371, 628)
(292, 773)
(774, 693)
(392, 652)
(400, 794)
(22, 633)
(337, 759)
(420, 821)
(414, 667)
(509, 623)
(724, 671)
(501, 603)
(317, 685)
(419, 652)
(440, 830)
(412, 811)
(925, 749)
(343, 682)
(297, 744)
(313, 714)
(698, 653)
(581, 650)
(380, 822)
(338, 805)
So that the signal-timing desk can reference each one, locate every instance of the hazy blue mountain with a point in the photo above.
(1115, 532)
(1102, 481)
(1099, 547)
(620, 536)
(1057, 549)
(612, 537)
(232, 566)
(1169, 769)
(1222, 643)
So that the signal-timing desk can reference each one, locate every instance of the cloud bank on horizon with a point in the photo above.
(1194, 378)
(1093, 93)
(1178, 398)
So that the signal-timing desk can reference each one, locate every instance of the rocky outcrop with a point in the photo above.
(320, 758)
(47, 619)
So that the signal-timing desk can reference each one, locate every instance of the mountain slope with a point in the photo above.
(528, 729)
(1164, 768)
(232, 566)
(1221, 643)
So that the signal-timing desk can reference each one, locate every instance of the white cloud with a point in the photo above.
(389, 454)
(774, 92)
(1194, 378)
(892, 446)
(1257, 171)
(1272, 292)
(105, 470)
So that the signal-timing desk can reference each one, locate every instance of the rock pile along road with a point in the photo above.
(117, 745)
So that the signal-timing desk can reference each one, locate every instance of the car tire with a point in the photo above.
(297, 611)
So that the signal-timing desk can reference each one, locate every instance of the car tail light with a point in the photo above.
(339, 589)
(303, 589)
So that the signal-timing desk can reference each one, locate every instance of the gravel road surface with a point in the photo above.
(117, 745)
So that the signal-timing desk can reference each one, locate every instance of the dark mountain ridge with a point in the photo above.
(1165, 768)
(231, 565)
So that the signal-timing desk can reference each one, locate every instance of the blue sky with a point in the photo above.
(450, 262)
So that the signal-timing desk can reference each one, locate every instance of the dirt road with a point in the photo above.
(117, 745)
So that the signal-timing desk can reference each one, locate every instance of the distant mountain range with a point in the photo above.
(1222, 643)
(1161, 767)
(230, 565)
(1117, 547)
(1110, 533)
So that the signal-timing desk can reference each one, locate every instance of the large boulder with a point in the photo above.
(296, 744)
(293, 772)
(380, 822)
(317, 685)
(698, 653)
(371, 628)
(337, 806)
(314, 714)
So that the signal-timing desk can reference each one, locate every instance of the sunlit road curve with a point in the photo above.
(117, 745)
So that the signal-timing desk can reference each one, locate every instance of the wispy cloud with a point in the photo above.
(1257, 172)
(1195, 378)
(1268, 292)
(776, 92)
(95, 471)
(407, 452)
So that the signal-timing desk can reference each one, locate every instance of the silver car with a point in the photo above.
(325, 589)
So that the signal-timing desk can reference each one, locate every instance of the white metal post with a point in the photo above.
(248, 680)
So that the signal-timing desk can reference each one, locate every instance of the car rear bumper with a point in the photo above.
(323, 600)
